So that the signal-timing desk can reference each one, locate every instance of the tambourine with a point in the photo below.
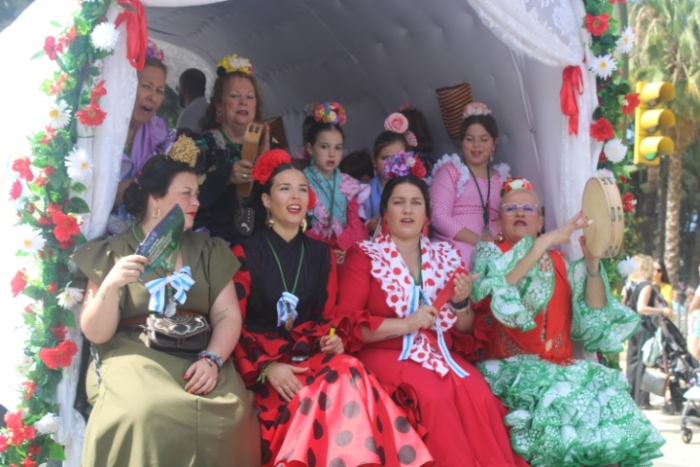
(603, 205)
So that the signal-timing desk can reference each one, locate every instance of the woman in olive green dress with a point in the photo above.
(152, 408)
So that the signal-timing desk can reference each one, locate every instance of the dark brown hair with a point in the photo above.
(418, 125)
(154, 62)
(487, 121)
(208, 122)
(387, 138)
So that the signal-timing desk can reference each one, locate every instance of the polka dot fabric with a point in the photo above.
(438, 260)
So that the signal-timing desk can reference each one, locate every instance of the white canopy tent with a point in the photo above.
(369, 55)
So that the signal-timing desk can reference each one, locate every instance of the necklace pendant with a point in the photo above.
(170, 308)
(289, 324)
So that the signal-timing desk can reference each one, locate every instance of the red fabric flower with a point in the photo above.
(43, 220)
(98, 91)
(50, 170)
(28, 462)
(3, 443)
(629, 103)
(52, 287)
(418, 169)
(19, 432)
(23, 167)
(72, 34)
(59, 356)
(66, 226)
(623, 179)
(57, 87)
(29, 389)
(52, 48)
(602, 129)
(628, 202)
(16, 190)
(312, 199)
(18, 283)
(54, 208)
(34, 450)
(92, 115)
(41, 181)
(59, 331)
(66, 245)
(597, 25)
(13, 421)
(268, 163)
(48, 136)
(28, 308)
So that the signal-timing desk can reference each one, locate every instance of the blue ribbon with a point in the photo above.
(287, 308)
(180, 281)
(416, 296)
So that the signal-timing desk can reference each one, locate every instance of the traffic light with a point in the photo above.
(649, 119)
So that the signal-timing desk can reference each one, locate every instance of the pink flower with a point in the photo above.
(396, 122)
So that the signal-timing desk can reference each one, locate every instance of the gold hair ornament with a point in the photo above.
(184, 150)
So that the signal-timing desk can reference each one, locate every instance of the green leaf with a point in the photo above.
(78, 188)
(56, 452)
(39, 54)
(68, 318)
(55, 24)
(77, 206)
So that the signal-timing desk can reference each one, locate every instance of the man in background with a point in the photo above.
(191, 92)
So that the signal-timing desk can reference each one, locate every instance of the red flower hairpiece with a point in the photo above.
(403, 164)
(268, 163)
(516, 183)
(312, 199)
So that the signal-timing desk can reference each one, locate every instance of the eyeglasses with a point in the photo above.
(659, 270)
(510, 209)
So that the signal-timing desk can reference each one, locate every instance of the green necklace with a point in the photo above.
(290, 320)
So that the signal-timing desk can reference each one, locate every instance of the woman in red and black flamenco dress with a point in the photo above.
(392, 288)
(317, 406)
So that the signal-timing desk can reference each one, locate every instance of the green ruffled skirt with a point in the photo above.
(574, 415)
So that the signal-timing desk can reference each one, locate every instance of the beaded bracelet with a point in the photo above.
(210, 357)
(263, 373)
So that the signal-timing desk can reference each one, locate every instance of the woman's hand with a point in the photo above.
(264, 139)
(563, 233)
(422, 318)
(463, 287)
(332, 345)
(125, 271)
(241, 172)
(339, 256)
(201, 376)
(283, 378)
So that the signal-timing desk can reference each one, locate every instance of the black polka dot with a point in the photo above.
(261, 389)
(382, 456)
(337, 463)
(240, 290)
(371, 444)
(310, 380)
(354, 377)
(327, 358)
(402, 425)
(301, 347)
(318, 430)
(375, 393)
(266, 453)
(351, 409)
(380, 427)
(407, 454)
(343, 438)
(311, 458)
(284, 415)
(331, 377)
(306, 405)
(255, 353)
(324, 402)
(323, 370)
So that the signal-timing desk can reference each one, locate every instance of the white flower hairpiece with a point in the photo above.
(476, 108)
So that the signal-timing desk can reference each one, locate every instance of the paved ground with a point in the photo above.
(676, 452)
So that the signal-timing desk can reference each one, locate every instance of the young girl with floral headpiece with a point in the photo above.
(336, 217)
(395, 138)
(465, 190)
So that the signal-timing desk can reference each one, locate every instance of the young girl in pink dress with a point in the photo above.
(336, 218)
(465, 191)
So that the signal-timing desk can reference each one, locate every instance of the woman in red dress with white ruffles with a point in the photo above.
(413, 327)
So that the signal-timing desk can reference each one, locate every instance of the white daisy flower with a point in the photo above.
(25, 364)
(58, 115)
(615, 150)
(604, 66)
(604, 173)
(104, 36)
(30, 239)
(626, 41)
(70, 297)
(627, 266)
(49, 424)
(79, 166)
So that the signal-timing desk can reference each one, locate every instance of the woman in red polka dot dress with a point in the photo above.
(408, 300)
(317, 406)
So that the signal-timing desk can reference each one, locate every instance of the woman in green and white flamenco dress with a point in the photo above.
(562, 412)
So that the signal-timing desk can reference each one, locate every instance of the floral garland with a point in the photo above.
(615, 102)
(47, 194)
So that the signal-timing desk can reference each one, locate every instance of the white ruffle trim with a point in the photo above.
(503, 170)
(457, 163)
